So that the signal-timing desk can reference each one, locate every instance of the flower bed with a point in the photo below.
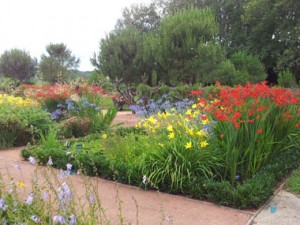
(231, 147)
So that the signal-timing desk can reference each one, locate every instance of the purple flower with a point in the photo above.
(3, 205)
(45, 195)
(69, 166)
(72, 220)
(59, 219)
(17, 167)
(32, 160)
(64, 194)
(62, 174)
(91, 198)
(29, 199)
(35, 219)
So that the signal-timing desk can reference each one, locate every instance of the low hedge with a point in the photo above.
(249, 194)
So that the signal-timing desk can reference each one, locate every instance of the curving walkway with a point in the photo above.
(153, 207)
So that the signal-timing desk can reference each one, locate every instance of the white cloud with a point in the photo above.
(80, 24)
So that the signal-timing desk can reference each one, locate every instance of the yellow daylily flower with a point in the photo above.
(170, 128)
(200, 133)
(205, 121)
(171, 135)
(20, 184)
(167, 114)
(203, 144)
(189, 112)
(188, 145)
(191, 132)
(152, 120)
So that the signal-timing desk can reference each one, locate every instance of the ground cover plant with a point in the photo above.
(230, 147)
(293, 183)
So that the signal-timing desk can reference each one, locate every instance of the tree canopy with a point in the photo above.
(204, 40)
(57, 64)
(17, 64)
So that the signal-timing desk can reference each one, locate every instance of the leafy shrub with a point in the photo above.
(286, 79)
(7, 85)
(248, 69)
(75, 127)
(21, 121)
(13, 132)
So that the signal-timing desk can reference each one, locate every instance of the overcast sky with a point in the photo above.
(30, 25)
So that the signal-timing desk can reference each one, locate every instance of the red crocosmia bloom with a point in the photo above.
(203, 117)
(236, 125)
(297, 125)
(218, 83)
(251, 112)
(259, 131)
(258, 117)
(196, 92)
(250, 121)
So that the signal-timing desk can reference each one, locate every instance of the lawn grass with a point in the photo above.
(293, 183)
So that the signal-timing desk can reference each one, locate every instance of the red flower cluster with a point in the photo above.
(58, 91)
(245, 104)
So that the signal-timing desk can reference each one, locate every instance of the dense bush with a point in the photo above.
(22, 121)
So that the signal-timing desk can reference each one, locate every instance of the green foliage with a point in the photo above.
(20, 126)
(142, 17)
(7, 85)
(273, 31)
(187, 51)
(57, 65)
(248, 68)
(13, 132)
(75, 127)
(286, 79)
(117, 55)
(17, 64)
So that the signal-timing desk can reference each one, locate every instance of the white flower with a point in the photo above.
(32, 160)
(50, 162)
(144, 179)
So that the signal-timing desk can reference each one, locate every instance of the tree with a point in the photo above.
(117, 56)
(248, 68)
(17, 64)
(187, 50)
(142, 17)
(273, 33)
(56, 66)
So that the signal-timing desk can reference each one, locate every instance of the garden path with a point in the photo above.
(153, 207)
